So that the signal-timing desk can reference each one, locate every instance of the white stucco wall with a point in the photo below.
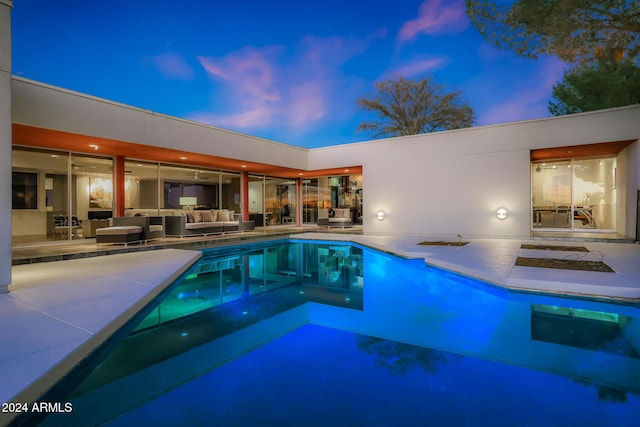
(452, 182)
(5, 144)
(40, 105)
(444, 183)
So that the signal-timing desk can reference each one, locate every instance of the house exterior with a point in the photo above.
(78, 156)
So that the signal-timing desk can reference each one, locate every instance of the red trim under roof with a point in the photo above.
(603, 149)
(56, 140)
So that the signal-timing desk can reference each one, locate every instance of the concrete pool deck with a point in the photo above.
(493, 260)
(57, 313)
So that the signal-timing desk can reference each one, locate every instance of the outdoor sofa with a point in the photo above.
(341, 218)
(127, 230)
(203, 223)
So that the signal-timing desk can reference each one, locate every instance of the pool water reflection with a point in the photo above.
(419, 337)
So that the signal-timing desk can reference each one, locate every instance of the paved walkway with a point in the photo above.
(56, 313)
(493, 260)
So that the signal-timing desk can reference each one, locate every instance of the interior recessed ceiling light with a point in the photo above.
(139, 164)
(183, 158)
(94, 146)
(55, 156)
(300, 174)
(346, 170)
(243, 166)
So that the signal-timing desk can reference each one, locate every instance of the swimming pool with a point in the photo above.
(299, 333)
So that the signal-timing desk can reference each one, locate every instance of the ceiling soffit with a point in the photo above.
(29, 136)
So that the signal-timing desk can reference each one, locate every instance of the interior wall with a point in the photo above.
(149, 194)
(5, 144)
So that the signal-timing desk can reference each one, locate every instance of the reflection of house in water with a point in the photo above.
(413, 314)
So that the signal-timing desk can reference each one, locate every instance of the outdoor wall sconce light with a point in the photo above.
(380, 215)
(502, 213)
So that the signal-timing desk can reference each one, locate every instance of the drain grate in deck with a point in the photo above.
(555, 248)
(566, 264)
(441, 243)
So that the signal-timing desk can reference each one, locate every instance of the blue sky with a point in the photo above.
(290, 71)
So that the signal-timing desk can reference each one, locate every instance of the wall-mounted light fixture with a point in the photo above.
(380, 215)
(502, 213)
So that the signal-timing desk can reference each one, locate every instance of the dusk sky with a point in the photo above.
(289, 71)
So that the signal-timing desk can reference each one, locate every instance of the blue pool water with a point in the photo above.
(318, 376)
(336, 334)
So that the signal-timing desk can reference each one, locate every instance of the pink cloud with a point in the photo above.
(274, 87)
(307, 103)
(420, 66)
(259, 116)
(435, 18)
(172, 65)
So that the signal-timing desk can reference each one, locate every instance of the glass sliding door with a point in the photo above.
(551, 194)
(92, 195)
(280, 201)
(594, 194)
(230, 184)
(256, 200)
(39, 195)
(141, 185)
(574, 194)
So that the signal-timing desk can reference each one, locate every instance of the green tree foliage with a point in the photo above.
(576, 31)
(410, 107)
(605, 84)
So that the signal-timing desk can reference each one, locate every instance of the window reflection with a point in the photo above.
(279, 277)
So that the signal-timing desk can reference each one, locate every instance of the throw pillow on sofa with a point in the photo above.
(223, 216)
(205, 216)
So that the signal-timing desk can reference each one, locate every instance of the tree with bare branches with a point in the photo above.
(409, 107)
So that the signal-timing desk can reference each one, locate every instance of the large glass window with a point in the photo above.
(60, 195)
(189, 187)
(574, 194)
(321, 195)
(140, 185)
(43, 218)
(256, 200)
(280, 201)
(230, 184)
(272, 201)
(24, 190)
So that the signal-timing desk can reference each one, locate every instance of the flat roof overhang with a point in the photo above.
(29, 136)
(604, 149)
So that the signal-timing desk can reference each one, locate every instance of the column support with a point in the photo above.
(244, 182)
(5, 145)
(119, 187)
